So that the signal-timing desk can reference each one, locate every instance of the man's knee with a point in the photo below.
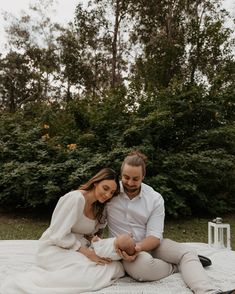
(174, 252)
(189, 255)
(139, 268)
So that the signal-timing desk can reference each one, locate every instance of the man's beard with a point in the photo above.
(131, 190)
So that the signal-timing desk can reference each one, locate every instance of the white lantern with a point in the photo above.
(219, 234)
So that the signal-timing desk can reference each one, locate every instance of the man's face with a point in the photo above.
(132, 176)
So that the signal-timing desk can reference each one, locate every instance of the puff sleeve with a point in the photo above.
(67, 212)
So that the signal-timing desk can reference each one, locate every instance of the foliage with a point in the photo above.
(125, 75)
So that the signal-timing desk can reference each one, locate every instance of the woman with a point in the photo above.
(64, 264)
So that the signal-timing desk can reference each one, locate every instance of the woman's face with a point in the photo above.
(104, 190)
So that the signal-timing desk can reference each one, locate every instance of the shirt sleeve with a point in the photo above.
(155, 223)
(67, 212)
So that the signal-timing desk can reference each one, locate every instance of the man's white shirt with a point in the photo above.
(142, 216)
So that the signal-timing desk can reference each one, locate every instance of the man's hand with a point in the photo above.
(138, 247)
(127, 257)
(146, 244)
(124, 255)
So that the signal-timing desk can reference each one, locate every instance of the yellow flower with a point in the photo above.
(45, 126)
(45, 137)
(72, 146)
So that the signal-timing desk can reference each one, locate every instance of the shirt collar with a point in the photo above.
(122, 192)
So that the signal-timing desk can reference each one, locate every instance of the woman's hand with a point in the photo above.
(89, 253)
(97, 259)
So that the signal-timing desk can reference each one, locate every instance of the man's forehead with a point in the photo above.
(134, 171)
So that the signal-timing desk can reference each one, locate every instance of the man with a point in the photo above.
(139, 210)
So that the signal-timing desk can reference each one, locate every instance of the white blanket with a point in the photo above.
(18, 256)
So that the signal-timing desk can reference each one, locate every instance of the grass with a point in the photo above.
(13, 227)
(195, 229)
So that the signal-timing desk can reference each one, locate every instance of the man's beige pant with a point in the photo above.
(168, 258)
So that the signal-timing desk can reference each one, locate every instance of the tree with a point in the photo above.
(75, 71)
(100, 28)
(17, 81)
(183, 42)
(29, 70)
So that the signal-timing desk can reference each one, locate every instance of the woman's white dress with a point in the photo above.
(60, 268)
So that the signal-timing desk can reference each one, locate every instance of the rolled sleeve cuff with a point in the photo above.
(154, 234)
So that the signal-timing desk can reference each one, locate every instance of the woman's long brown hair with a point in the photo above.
(103, 174)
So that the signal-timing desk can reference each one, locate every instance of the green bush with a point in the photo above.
(47, 150)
